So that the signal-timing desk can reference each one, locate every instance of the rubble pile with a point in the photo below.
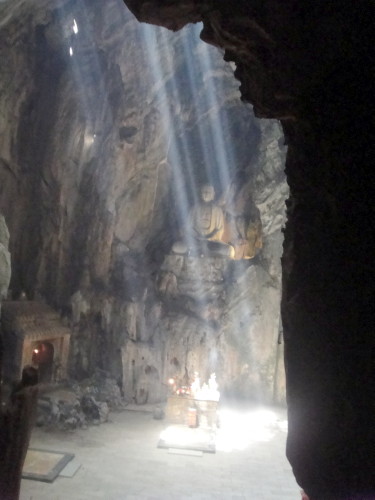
(80, 404)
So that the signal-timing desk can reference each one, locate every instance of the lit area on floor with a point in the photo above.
(122, 460)
(235, 430)
(240, 429)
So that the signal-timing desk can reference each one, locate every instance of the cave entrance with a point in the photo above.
(43, 359)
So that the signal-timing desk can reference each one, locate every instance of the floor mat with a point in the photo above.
(186, 438)
(44, 465)
(70, 469)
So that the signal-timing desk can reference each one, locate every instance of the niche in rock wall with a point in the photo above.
(175, 364)
(33, 334)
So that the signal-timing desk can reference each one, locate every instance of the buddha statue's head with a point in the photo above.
(207, 193)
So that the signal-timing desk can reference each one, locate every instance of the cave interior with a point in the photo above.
(163, 191)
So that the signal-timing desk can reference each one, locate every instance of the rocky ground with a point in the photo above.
(72, 405)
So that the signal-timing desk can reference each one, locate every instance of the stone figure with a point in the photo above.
(168, 284)
(205, 228)
(244, 235)
(206, 218)
(254, 240)
(242, 226)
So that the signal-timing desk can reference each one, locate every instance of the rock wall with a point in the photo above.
(106, 136)
(5, 273)
(310, 64)
(5, 268)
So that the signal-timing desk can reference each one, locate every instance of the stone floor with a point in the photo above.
(120, 460)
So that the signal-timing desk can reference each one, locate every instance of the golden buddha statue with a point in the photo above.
(205, 228)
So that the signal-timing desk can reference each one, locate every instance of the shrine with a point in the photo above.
(34, 335)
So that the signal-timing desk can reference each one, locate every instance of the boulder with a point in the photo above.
(94, 411)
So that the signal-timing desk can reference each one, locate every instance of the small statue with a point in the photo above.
(244, 235)
(206, 218)
(168, 284)
(213, 388)
(196, 385)
(243, 226)
(205, 228)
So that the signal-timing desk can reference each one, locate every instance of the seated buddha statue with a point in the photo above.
(204, 228)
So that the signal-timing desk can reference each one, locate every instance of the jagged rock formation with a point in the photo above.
(310, 65)
(79, 404)
(116, 128)
(5, 273)
(4, 259)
